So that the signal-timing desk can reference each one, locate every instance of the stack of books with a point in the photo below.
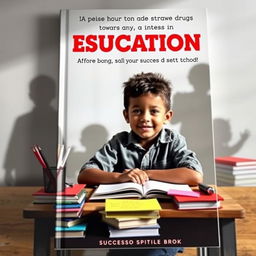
(73, 194)
(131, 217)
(76, 231)
(202, 201)
(235, 171)
(69, 208)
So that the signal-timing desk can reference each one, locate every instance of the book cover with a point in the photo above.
(60, 200)
(235, 161)
(130, 205)
(74, 205)
(100, 50)
(69, 209)
(144, 231)
(202, 198)
(69, 191)
(128, 208)
(134, 214)
(78, 227)
(129, 222)
(69, 214)
(236, 168)
(204, 201)
(176, 192)
(68, 222)
(70, 234)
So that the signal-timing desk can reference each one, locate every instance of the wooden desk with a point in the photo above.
(198, 222)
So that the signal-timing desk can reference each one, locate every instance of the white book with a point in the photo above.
(129, 222)
(70, 234)
(151, 189)
(235, 172)
(235, 168)
(235, 177)
(134, 232)
(227, 182)
(235, 183)
(68, 222)
(199, 205)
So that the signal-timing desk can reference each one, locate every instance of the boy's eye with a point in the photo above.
(136, 111)
(154, 111)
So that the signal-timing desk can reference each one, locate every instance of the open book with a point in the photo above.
(151, 189)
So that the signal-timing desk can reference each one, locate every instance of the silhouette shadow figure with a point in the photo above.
(223, 136)
(92, 139)
(193, 111)
(40, 126)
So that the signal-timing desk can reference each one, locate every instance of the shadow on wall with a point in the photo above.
(48, 38)
(92, 139)
(193, 111)
(39, 126)
(223, 137)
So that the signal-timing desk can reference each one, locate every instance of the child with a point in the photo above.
(149, 151)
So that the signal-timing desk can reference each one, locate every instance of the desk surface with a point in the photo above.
(230, 208)
(14, 199)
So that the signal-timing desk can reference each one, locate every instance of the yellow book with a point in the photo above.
(131, 205)
(136, 214)
(129, 222)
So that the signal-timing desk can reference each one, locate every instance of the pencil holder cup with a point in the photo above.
(54, 179)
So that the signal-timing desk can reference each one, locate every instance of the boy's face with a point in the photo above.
(146, 115)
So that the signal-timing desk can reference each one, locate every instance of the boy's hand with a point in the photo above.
(135, 175)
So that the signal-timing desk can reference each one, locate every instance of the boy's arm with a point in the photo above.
(176, 175)
(93, 176)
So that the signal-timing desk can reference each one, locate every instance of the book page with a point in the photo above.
(153, 185)
(105, 189)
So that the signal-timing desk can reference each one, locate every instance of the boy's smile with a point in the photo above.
(147, 114)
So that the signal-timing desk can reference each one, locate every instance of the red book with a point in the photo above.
(71, 195)
(69, 191)
(70, 214)
(235, 161)
(69, 209)
(204, 201)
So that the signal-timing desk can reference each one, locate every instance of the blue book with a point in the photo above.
(79, 227)
(66, 206)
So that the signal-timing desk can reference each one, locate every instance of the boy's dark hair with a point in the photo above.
(144, 83)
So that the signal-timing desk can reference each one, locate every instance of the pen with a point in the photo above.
(60, 156)
(38, 153)
(39, 157)
(69, 184)
(206, 189)
(65, 157)
(63, 161)
(42, 155)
